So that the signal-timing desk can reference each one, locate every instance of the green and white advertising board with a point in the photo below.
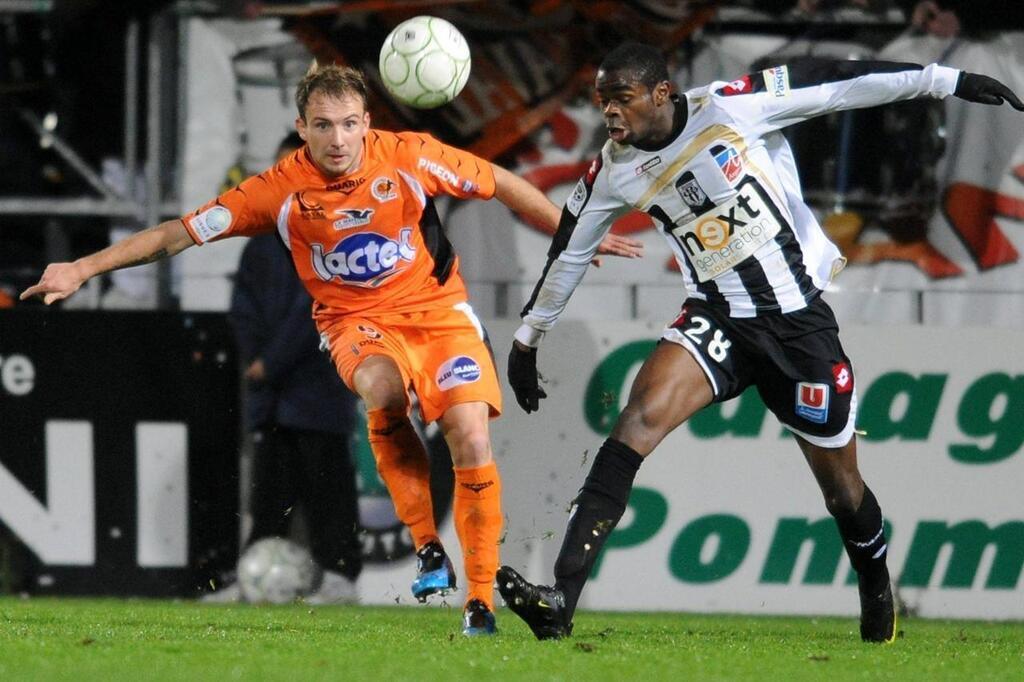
(725, 515)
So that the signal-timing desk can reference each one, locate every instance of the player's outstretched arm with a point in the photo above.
(60, 280)
(531, 205)
(976, 87)
(525, 199)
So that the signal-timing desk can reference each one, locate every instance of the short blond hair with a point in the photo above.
(332, 80)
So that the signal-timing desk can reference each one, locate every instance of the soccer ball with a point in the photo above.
(277, 571)
(424, 62)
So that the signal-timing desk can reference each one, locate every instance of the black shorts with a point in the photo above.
(795, 360)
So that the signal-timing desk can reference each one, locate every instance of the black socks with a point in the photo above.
(596, 511)
(864, 539)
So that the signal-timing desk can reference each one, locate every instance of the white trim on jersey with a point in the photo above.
(282, 221)
(414, 185)
(467, 310)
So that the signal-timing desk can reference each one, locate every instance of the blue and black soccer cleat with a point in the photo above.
(878, 616)
(477, 619)
(434, 572)
(541, 607)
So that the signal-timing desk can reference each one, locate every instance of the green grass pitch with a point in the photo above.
(78, 639)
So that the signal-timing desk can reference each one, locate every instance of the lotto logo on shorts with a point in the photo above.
(843, 377)
(457, 371)
(812, 402)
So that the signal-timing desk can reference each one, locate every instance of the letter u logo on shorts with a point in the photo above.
(812, 402)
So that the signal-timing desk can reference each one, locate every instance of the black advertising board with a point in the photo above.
(119, 438)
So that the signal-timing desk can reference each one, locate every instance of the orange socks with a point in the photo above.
(478, 523)
(402, 463)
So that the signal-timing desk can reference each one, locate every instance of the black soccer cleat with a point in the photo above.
(878, 616)
(434, 572)
(541, 607)
(478, 620)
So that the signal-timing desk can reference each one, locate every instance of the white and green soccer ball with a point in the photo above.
(425, 62)
(277, 571)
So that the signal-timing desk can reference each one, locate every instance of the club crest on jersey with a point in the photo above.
(457, 371)
(728, 160)
(776, 80)
(647, 165)
(309, 209)
(364, 259)
(843, 377)
(812, 402)
(354, 217)
(692, 194)
(383, 189)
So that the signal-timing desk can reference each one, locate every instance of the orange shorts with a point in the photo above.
(442, 354)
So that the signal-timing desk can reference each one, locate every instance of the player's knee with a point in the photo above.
(842, 500)
(387, 398)
(639, 426)
(380, 386)
(470, 447)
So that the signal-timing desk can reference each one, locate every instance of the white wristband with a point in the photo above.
(528, 336)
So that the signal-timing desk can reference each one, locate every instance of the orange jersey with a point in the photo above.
(366, 242)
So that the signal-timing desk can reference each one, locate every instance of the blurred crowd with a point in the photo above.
(40, 72)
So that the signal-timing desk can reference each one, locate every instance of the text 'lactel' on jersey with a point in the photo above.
(364, 259)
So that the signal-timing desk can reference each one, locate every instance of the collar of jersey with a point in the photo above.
(679, 118)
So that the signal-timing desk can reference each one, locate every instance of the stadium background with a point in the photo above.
(120, 432)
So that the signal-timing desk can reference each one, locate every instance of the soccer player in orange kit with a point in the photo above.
(354, 206)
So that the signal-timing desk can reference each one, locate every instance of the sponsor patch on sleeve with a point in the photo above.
(776, 80)
(576, 200)
(210, 222)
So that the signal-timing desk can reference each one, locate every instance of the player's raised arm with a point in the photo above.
(783, 95)
(525, 199)
(60, 280)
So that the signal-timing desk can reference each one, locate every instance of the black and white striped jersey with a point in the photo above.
(725, 191)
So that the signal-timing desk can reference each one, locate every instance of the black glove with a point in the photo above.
(974, 87)
(523, 376)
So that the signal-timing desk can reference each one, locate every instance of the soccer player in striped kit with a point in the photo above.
(712, 169)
